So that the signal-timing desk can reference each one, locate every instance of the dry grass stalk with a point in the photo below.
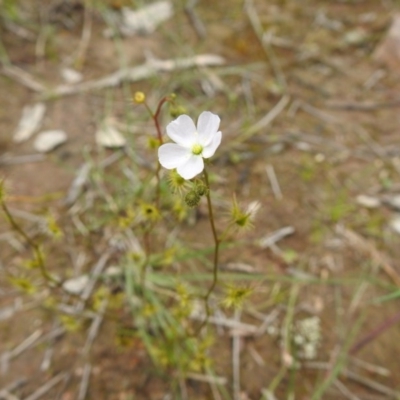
(368, 248)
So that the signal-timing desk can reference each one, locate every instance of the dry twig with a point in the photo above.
(368, 248)
(83, 387)
(197, 23)
(236, 359)
(276, 189)
(265, 121)
(366, 106)
(147, 70)
(47, 386)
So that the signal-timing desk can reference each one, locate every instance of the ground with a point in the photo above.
(310, 122)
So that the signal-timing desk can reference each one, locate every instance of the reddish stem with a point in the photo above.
(375, 333)
(156, 115)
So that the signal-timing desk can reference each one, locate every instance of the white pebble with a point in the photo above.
(48, 140)
(108, 136)
(30, 121)
(76, 285)
(368, 201)
(395, 224)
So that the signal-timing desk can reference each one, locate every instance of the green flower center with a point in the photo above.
(197, 149)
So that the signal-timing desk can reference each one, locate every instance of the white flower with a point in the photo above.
(191, 144)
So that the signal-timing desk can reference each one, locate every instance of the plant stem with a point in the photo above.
(383, 327)
(217, 243)
(155, 116)
(158, 189)
(35, 247)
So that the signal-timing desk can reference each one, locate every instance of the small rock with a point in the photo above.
(367, 17)
(322, 19)
(276, 148)
(395, 224)
(368, 201)
(30, 121)
(356, 36)
(393, 202)
(71, 76)
(146, 19)
(108, 136)
(303, 146)
(48, 140)
(76, 285)
(388, 51)
(113, 271)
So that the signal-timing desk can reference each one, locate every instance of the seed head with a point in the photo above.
(201, 189)
(192, 199)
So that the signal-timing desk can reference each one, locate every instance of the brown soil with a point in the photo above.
(323, 157)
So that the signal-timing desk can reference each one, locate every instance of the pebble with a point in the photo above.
(395, 224)
(71, 76)
(48, 140)
(108, 136)
(30, 121)
(368, 201)
(76, 285)
(393, 202)
(146, 19)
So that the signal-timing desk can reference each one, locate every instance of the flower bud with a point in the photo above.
(139, 97)
(192, 199)
(153, 143)
(201, 189)
(176, 111)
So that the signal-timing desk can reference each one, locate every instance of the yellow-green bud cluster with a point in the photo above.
(236, 295)
(149, 212)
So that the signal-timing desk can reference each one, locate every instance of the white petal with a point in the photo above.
(209, 150)
(172, 155)
(182, 131)
(192, 167)
(207, 127)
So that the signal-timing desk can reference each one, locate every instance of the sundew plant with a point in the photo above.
(150, 282)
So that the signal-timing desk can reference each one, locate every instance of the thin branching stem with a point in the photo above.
(155, 117)
(34, 246)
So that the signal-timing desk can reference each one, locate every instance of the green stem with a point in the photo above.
(158, 189)
(217, 243)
